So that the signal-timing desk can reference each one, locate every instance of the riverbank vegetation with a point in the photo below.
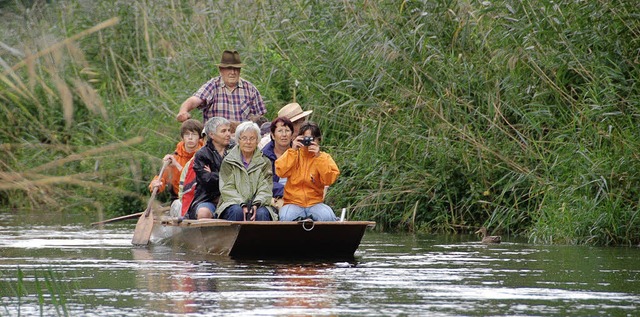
(443, 115)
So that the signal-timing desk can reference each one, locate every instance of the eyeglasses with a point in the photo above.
(191, 134)
(248, 139)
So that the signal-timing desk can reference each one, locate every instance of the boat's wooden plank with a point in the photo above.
(205, 223)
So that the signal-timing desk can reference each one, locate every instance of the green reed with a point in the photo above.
(44, 287)
(442, 115)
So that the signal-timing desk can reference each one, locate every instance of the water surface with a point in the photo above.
(97, 272)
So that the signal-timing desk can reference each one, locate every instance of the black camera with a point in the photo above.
(307, 140)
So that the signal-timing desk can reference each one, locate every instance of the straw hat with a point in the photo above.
(293, 111)
(231, 59)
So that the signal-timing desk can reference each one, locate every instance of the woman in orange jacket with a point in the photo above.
(308, 170)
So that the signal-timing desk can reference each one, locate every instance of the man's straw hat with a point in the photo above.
(293, 111)
(231, 59)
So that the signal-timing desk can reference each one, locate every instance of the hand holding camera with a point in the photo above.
(306, 141)
(301, 141)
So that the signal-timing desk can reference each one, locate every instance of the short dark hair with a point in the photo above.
(261, 120)
(313, 127)
(191, 125)
(285, 121)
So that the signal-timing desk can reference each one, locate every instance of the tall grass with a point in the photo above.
(442, 115)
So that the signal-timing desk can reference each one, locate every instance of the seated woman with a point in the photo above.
(245, 179)
(206, 167)
(281, 136)
(308, 170)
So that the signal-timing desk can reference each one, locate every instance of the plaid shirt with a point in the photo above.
(237, 105)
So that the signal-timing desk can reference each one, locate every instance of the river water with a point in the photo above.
(86, 271)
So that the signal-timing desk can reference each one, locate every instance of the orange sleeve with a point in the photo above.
(286, 162)
(327, 169)
(161, 188)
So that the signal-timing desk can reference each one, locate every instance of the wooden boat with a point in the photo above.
(263, 239)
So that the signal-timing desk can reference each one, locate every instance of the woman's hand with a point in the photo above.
(249, 216)
(297, 142)
(314, 148)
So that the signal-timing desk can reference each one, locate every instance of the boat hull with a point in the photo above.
(264, 239)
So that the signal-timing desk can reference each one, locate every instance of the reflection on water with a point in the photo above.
(100, 273)
(305, 287)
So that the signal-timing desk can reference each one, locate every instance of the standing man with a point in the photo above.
(227, 95)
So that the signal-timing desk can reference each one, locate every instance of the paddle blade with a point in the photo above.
(143, 229)
(145, 224)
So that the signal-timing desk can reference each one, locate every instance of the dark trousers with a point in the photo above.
(234, 213)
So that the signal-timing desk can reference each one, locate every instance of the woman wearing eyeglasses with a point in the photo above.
(246, 179)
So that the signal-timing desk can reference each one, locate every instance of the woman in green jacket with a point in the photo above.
(246, 179)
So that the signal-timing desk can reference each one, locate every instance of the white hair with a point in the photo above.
(247, 126)
(212, 124)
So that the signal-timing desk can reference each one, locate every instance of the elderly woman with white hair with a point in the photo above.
(246, 179)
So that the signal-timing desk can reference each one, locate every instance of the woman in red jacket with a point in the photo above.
(308, 170)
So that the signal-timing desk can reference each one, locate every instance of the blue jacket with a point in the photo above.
(267, 150)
